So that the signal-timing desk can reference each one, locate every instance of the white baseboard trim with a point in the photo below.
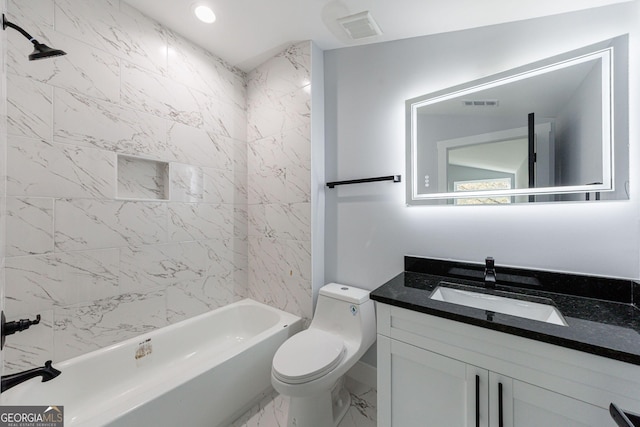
(365, 374)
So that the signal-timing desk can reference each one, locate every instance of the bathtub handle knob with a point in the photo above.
(10, 328)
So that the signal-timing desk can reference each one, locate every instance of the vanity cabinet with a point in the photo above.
(437, 372)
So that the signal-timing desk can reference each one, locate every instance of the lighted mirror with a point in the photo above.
(555, 130)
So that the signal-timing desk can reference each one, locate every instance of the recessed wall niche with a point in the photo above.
(142, 179)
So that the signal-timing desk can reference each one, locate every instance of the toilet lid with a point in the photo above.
(307, 356)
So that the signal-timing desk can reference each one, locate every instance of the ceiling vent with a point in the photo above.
(360, 26)
(480, 102)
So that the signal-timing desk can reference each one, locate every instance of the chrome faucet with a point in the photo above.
(489, 273)
(47, 372)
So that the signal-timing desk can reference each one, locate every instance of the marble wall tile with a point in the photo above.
(299, 261)
(29, 107)
(268, 115)
(221, 117)
(160, 96)
(85, 327)
(289, 221)
(195, 184)
(17, 52)
(198, 221)
(268, 273)
(41, 282)
(128, 86)
(115, 28)
(29, 224)
(188, 299)
(297, 152)
(257, 225)
(297, 146)
(266, 154)
(240, 188)
(219, 186)
(289, 150)
(240, 222)
(200, 147)
(285, 73)
(86, 122)
(30, 348)
(42, 169)
(187, 183)
(84, 69)
(240, 157)
(298, 279)
(158, 266)
(82, 224)
(36, 15)
(298, 184)
(279, 181)
(267, 187)
(203, 71)
(225, 258)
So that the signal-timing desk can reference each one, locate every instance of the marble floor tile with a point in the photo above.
(273, 409)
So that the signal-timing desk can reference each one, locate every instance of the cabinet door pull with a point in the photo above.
(500, 417)
(477, 400)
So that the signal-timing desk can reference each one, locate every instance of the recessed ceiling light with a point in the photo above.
(205, 14)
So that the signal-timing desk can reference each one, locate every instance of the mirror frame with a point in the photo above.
(603, 51)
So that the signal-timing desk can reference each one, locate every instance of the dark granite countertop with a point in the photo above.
(602, 321)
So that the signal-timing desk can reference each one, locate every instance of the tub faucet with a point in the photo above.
(47, 372)
(489, 273)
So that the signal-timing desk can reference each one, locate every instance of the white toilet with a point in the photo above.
(309, 367)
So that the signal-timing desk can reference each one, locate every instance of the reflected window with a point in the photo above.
(483, 185)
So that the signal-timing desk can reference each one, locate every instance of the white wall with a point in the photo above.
(369, 227)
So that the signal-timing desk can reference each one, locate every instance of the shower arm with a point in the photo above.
(40, 50)
(6, 24)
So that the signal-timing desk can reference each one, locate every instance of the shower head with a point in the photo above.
(40, 50)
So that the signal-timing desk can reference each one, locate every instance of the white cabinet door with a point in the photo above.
(421, 388)
(534, 407)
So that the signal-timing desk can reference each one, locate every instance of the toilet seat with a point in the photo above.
(307, 356)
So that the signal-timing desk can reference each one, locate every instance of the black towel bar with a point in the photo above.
(394, 178)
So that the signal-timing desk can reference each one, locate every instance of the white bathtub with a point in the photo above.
(204, 371)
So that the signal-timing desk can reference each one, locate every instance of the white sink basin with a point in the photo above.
(514, 307)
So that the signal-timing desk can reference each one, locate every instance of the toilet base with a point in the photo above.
(325, 409)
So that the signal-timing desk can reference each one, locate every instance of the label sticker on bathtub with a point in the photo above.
(32, 416)
(144, 349)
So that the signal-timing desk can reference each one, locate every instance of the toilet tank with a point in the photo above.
(347, 311)
(345, 293)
